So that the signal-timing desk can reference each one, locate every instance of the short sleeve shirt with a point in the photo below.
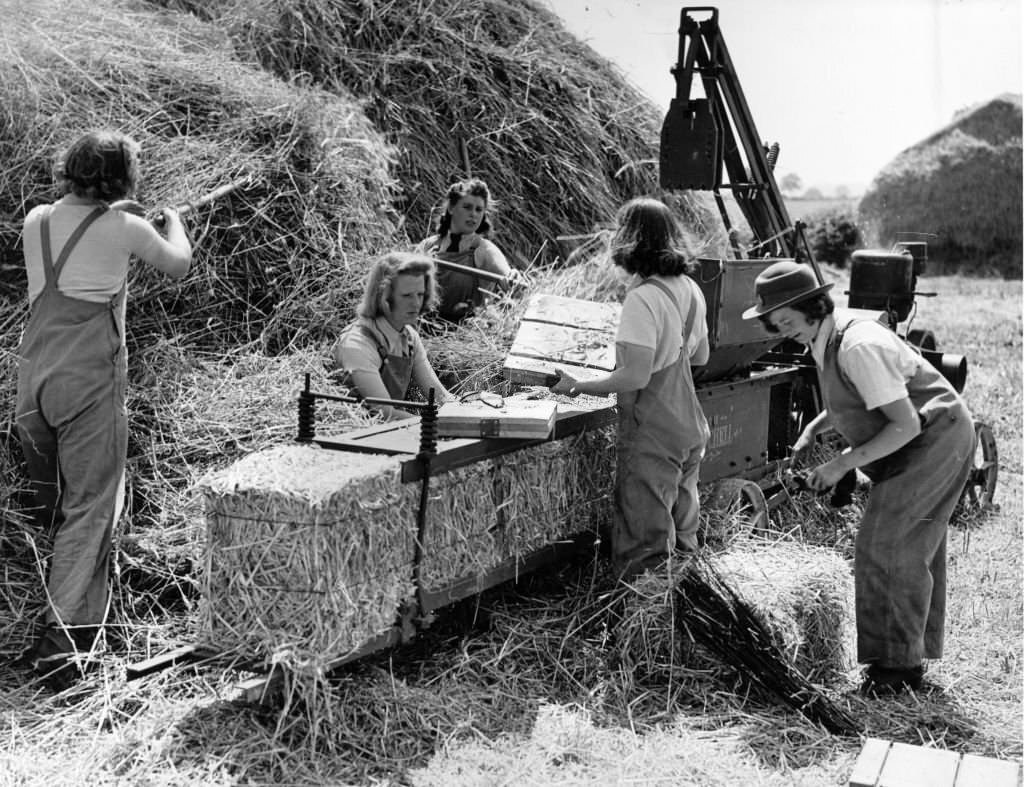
(649, 319)
(359, 353)
(96, 269)
(877, 362)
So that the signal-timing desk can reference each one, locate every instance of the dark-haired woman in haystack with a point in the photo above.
(462, 238)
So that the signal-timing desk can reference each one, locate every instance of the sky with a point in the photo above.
(842, 85)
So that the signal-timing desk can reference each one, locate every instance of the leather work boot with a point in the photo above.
(58, 656)
(887, 681)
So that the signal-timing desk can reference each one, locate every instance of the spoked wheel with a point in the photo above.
(981, 483)
(735, 507)
(921, 338)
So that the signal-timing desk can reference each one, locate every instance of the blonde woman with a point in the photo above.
(380, 352)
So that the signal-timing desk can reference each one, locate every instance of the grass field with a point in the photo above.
(507, 693)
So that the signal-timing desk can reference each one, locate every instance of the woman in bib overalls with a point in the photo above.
(461, 239)
(910, 432)
(662, 431)
(70, 412)
(380, 353)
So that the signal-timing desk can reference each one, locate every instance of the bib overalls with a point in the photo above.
(900, 551)
(661, 438)
(73, 427)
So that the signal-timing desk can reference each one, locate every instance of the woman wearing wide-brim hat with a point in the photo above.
(910, 432)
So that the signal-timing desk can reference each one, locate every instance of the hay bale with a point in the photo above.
(309, 552)
(804, 594)
(964, 184)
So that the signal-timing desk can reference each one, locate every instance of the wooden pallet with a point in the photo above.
(883, 763)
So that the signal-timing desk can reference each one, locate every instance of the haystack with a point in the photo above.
(309, 552)
(962, 185)
(277, 261)
(499, 86)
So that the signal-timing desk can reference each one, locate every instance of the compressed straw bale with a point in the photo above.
(556, 490)
(309, 552)
(459, 538)
(512, 505)
(804, 595)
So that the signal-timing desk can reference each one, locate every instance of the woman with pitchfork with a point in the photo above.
(461, 238)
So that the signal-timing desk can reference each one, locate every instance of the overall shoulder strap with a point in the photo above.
(72, 241)
(377, 340)
(690, 316)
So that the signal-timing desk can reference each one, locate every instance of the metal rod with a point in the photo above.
(476, 272)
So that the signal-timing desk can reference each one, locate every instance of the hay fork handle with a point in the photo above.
(221, 191)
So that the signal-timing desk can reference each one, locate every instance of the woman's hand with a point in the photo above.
(566, 383)
(516, 278)
(804, 443)
(827, 475)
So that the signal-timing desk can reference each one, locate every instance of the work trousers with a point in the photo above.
(73, 426)
(900, 561)
(656, 507)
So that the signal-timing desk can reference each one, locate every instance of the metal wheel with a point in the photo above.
(922, 338)
(735, 506)
(981, 483)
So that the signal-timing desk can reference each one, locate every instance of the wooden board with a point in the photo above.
(522, 418)
(978, 771)
(882, 763)
(559, 331)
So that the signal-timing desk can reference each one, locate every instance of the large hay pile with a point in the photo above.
(273, 261)
(558, 133)
(963, 184)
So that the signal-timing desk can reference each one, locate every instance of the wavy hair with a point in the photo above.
(381, 279)
(473, 187)
(101, 165)
(815, 309)
(649, 240)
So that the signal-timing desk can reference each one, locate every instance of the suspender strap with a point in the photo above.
(50, 268)
(372, 336)
(691, 315)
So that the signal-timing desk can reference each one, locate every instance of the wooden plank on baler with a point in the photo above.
(978, 771)
(559, 331)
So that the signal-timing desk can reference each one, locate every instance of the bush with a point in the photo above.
(834, 235)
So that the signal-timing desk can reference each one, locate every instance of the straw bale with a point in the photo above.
(309, 552)
(804, 594)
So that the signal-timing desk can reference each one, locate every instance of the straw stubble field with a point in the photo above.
(560, 681)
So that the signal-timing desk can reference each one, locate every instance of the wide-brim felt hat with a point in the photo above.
(783, 284)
